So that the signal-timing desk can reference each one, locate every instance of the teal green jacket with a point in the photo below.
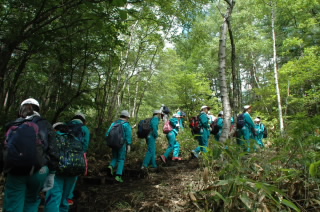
(126, 128)
(175, 124)
(86, 132)
(204, 120)
(248, 121)
(260, 130)
(154, 126)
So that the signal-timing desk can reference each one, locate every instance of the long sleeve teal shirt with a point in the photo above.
(248, 121)
(154, 126)
(175, 124)
(86, 133)
(204, 120)
(126, 128)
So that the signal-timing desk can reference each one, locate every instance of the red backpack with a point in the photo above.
(167, 127)
(195, 125)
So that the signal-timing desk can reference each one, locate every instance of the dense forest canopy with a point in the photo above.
(100, 57)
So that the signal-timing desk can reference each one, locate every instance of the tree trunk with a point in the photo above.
(275, 67)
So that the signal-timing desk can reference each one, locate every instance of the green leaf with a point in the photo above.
(290, 204)
(245, 199)
(123, 14)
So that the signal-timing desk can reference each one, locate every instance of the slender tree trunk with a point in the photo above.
(275, 67)
(223, 74)
(235, 85)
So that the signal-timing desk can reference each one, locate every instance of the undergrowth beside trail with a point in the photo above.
(276, 178)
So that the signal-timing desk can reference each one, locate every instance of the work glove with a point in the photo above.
(48, 183)
(128, 149)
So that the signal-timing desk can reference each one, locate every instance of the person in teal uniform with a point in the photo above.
(260, 128)
(80, 118)
(151, 155)
(182, 116)
(220, 125)
(57, 197)
(174, 145)
(203, 139)
(24, 184)
(247, 132)
(119, 155)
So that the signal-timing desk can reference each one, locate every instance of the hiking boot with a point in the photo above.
(70, 201)
(110, 168)
(194, 154)
(163, 158)
(176, 158)
(119, 179)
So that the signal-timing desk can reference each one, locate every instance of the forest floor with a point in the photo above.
(164, 189)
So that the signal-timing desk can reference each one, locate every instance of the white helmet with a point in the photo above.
(30, 101)
(125, 113)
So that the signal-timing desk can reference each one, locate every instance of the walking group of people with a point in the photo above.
(40, 157)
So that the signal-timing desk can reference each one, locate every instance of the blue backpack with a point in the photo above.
(24, 148)
(116, 139)
(72, 160)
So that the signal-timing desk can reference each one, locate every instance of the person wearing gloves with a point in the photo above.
(247, 132)
(174, 145)
(24, 183)
(80, 118)
(119, 155)
(260, 128)
(219, 125)
(203, 139)
(57, 197)
(150, 158)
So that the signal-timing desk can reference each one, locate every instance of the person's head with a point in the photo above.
(205, 109)
(60, 126)
(247, 108)
(28, 107)
(220, 114)
(81, 117)
(176, 116)
(157, 113)
(124, 115)
(257, 120)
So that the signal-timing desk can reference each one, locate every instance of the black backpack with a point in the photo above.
(24, 147)
(240, 121)
(214, 127)
(144, 128)
(165, 110)
(265, 132)
(116, 138)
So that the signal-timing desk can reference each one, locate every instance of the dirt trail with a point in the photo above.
(164, 189)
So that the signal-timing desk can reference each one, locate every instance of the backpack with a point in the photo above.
(167, 127)
(165, 110)
(24, 147)
(183, 114)
(240, 121)
(144, 128)
(214, 127)
(72, 160)
(116, 139)
(195, 125)
(265, 132)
